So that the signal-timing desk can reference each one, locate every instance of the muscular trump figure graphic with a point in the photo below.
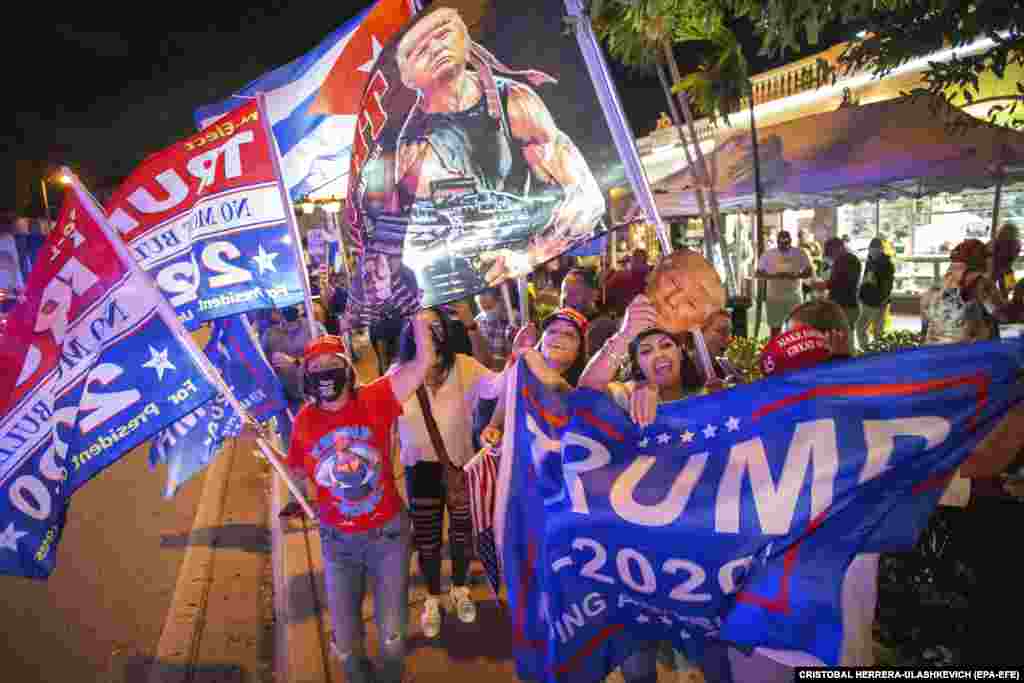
(476, 180)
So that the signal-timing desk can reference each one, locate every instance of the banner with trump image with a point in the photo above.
(474, 160)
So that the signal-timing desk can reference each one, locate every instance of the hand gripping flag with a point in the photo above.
(313, 101)
(187, 446)
(90, 366)
(482, 475)
(734, 517)
(207, 218)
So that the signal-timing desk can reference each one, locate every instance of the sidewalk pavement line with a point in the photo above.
(183, 626)
(301, 654)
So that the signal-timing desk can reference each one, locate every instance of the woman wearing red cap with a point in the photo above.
(968, 306)
(557, 359)
(341, 440)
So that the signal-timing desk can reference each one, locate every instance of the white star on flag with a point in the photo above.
(642, 443)
(665, 620)
(664, 438)
(687, 436)
(158, 361)
(9, 538)
(265, 260)
(710, 431)
(367, 67)
(732, 424)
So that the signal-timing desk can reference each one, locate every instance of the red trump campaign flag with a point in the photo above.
(208, 219)
(91, 365)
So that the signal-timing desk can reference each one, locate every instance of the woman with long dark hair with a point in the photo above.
(660, 370)
(454, 385)
(557, 359)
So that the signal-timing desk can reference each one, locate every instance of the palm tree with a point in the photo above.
(720, 86)
(641, 36)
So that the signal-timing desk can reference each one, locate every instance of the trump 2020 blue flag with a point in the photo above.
(207, 218)
(733, 518)
(91, 365)
(187, 446)
(313, 101)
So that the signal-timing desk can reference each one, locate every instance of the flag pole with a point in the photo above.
(622, 135)
(289, 212)
(523, 289)
(506, 295)
(171, 318)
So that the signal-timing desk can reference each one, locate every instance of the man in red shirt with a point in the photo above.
(342, 441)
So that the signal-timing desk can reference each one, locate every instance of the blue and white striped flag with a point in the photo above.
(313, 101)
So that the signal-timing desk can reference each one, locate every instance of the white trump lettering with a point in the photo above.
(880, 437)
(671, 506)
(813, 441)
(598, 456)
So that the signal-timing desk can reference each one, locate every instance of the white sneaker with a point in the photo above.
(463, 604)
(430, 620)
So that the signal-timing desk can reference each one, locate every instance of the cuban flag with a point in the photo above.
(313, 101)
(482, 478)
(92, 363)
(736, 517)
(191, 443)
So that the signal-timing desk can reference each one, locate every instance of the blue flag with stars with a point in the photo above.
(191, 443)
(92, 363)
(735, 516)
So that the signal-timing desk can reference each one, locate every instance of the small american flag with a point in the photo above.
(482, 471)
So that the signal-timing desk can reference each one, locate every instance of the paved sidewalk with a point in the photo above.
(219, 627)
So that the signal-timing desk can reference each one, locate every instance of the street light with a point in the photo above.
(63, 179)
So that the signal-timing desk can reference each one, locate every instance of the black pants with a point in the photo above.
(427, 504)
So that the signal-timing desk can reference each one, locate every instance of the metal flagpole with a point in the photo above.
(171, 318)
(616, 117)
(523, 289)
(626, 145)
(506, 295)
(289, 212)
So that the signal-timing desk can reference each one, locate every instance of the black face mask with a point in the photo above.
(327, 385)
(290, 314)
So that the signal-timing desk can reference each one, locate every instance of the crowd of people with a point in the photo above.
(439, 399)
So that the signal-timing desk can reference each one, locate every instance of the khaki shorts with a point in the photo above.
(777, 310)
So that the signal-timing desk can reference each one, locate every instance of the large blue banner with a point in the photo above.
(188, 446)
(207, 217)
(91, 365)
(734, 517)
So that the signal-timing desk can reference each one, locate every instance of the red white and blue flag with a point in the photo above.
(482, 476)
(313, 101)
(191, 443)
(207, 217)
(735, 517)
(92, 363)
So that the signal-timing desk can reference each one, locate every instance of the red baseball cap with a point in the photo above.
(569, 315)
(329, 344)
(799, 348)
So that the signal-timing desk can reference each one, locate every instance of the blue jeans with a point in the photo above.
(349, 558)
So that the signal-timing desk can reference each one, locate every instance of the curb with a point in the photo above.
(300, 652)
(183, 627)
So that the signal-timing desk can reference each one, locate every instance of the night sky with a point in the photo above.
(102, 88)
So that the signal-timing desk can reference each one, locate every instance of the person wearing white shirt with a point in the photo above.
(783, 268)
(454, 385)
